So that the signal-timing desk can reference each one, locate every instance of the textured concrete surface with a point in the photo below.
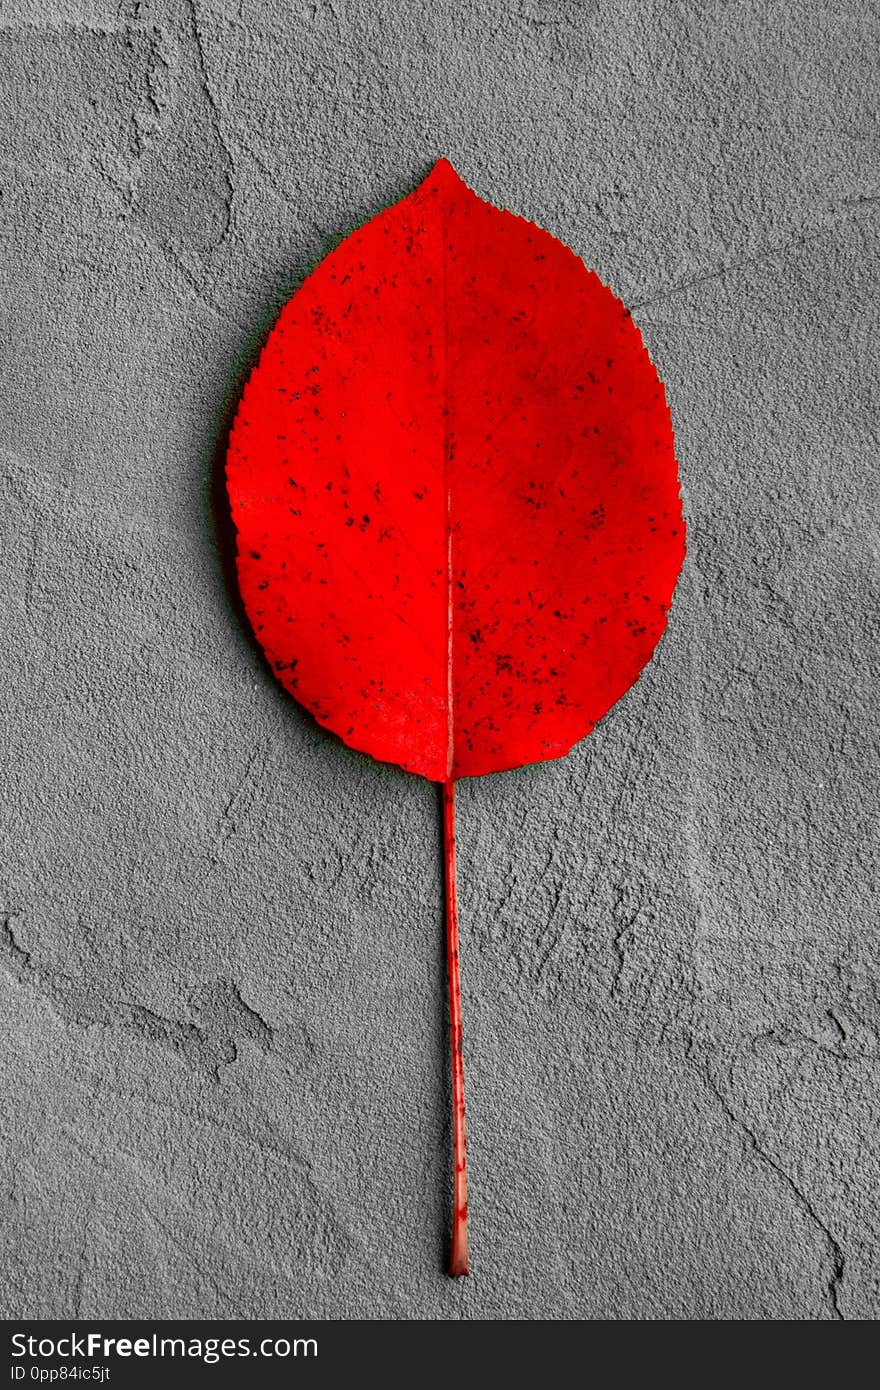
(221, 978)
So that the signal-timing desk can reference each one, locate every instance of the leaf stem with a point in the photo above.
(458, 1260)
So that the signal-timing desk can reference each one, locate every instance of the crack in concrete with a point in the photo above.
(805, 238)
(241, 802)
(214, 111)
(209, 1045)
(722, 271)
(838, 1261)
(845, 1041)
(626, 919)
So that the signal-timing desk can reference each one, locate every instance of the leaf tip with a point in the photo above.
(444, 174)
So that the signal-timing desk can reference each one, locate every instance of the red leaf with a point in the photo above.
(459, 522)
(457, 502)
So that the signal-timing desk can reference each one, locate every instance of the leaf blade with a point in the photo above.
(455, 431)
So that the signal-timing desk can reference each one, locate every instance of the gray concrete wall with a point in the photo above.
(221, 975)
